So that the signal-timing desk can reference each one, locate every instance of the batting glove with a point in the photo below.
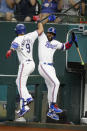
(36, 18)
(51, 17)
(8, 53)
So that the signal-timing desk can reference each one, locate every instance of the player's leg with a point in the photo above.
(22, 91)
(25, 97)
(21, 82)
(48, 73)
(52, 95)
(50, 113)
(53, 88)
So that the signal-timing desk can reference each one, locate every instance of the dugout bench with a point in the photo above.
(11, 95)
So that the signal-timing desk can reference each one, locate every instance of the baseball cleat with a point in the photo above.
(23, 112)
(29, 100)
(53, 115)
(55, 108)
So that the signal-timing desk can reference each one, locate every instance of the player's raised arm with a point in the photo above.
(43, 22)
(40, 28)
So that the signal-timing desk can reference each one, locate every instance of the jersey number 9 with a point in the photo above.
(28, 47)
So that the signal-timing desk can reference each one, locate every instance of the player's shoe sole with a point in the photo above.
(23, 112)
(53, 115)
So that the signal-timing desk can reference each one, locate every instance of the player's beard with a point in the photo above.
(49, 38)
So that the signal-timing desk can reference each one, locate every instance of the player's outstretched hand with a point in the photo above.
(73, 37)
(8, 53)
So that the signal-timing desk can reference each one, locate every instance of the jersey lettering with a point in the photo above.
(48, 45)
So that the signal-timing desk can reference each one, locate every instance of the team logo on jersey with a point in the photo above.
(48, 45)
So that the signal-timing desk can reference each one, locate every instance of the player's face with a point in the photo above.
(50, 36)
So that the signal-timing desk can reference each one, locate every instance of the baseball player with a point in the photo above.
(46, 49)
(23, 44)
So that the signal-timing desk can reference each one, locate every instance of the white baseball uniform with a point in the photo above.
(46, 50)
(24, 47)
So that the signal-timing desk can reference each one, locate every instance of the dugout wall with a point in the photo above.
(72, 80)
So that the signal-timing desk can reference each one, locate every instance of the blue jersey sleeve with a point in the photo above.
(14, 45)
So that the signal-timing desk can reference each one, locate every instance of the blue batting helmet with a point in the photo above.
(20, 29)
(52, 30)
